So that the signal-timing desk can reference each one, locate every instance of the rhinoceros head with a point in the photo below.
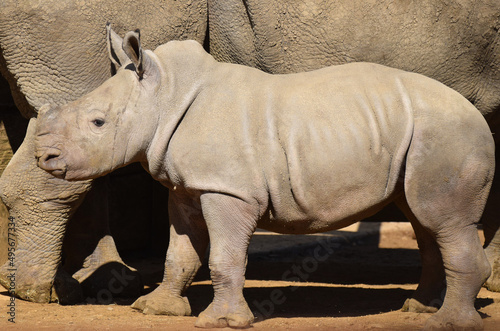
(105, 129)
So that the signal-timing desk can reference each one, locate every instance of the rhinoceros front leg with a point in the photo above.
(187, 247)
(35, 272)
(231, 223)
(39, 206)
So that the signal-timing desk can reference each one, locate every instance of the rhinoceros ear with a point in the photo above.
(133, 49)
(115, 51)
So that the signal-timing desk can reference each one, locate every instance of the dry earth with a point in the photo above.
(343, 280)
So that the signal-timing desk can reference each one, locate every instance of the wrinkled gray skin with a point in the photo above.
(41, 235)
(54, 52)
(300, 153)
(454, 42)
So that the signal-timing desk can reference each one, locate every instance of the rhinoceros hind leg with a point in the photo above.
(466, 269)
(447, 191)
(431, 288)
(491, 225)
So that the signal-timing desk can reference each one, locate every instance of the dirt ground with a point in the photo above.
(356, 279)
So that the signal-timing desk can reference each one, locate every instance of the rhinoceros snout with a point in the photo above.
(49, 160)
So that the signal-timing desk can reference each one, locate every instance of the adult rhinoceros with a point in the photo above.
(299, 153)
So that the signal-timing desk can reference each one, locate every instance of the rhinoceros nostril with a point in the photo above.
(49, 157)
(47, 154)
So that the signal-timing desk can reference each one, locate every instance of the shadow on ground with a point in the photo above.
(323, 287)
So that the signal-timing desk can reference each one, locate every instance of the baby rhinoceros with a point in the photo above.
(299, 153)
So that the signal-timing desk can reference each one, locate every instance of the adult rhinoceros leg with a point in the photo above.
(187, 247)
(39, 206)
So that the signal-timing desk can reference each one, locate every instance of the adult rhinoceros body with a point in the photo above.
(299, 153)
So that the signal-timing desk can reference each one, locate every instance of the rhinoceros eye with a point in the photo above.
(98, 122)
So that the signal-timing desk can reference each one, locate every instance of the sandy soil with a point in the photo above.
(352, 280)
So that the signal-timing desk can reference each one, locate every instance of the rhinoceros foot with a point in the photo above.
(31, 285)
(414, 306)
(25, 288)
(109, 281)
(222, 315)
(449, 319)
(162, 302)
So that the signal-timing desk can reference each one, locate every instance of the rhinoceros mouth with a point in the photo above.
(49, 159)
